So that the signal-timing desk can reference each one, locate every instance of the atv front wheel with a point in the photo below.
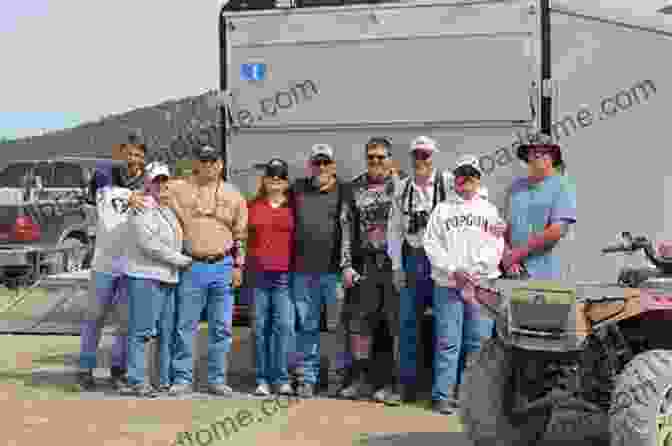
(642, 394)
(484, 397)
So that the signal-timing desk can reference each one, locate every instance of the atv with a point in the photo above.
(587, 363)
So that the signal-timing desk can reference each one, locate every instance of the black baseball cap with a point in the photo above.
(276, 168)
(207, 153)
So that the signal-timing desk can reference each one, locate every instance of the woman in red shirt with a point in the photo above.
(270, 240)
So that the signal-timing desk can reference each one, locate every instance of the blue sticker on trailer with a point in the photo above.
(252, 72)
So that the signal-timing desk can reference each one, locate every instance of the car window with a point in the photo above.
(67, 175)
(13, 174)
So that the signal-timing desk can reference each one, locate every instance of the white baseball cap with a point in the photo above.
(424, 143)
(469, 160)
(323, 150)
(156, 169)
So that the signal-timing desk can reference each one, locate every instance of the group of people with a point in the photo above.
(401, 243)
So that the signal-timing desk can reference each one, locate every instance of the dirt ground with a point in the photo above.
(35, 377)
(318, 422)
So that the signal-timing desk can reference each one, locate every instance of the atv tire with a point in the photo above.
(642, 392)
(484, 396)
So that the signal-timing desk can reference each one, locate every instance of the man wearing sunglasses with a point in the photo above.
(540, 209)
(316, 258)
(214, 216)
(370, 312)
(415, 199)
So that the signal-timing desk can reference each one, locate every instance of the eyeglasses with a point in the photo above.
(422, 155)
(378, 158)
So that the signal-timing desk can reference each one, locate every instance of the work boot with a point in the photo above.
(448, 406)
(85, 381)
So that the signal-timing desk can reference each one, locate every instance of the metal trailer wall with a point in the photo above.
(620, 158)
(617, 157)
(399, 70)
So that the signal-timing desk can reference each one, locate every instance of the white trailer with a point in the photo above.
(464, 73)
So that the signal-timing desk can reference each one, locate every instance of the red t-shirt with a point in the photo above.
(271, 237)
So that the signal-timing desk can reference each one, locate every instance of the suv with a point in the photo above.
(47, 218)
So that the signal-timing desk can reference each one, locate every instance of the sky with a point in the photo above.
(67, 62)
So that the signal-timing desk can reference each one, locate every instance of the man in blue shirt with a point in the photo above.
(540, 208)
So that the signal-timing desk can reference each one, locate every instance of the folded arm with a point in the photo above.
(150, 243)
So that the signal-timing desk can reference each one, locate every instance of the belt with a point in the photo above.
(209, 259)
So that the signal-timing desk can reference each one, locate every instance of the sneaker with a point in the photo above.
(284, 389)
(163, 388)
(180, 389)
(380, 395)
(392, 398)
(306, 391)
(138, 390)
(355, 391)
(85, 381)
(444, 407)
(263, 390)
(220, 390)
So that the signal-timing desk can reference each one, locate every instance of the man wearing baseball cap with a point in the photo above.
(316, 258)
(214, 218)
(540, 209)
(415, 199)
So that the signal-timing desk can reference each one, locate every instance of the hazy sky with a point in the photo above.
(66, 62)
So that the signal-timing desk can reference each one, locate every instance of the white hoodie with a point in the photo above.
(457, 239)
(112, 204)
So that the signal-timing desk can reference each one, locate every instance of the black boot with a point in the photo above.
(85, 381)
(117, 377)
(448, 406)
(359, 388)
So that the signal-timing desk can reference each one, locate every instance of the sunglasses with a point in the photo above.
(539, 153)
(379, 158)
(421, 155)
(321, 163)
(280, 176)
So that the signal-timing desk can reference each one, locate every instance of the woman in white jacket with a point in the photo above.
(155, 259)
(464, 245)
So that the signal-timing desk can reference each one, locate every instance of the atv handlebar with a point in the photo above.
(622, 247)
(632, 244)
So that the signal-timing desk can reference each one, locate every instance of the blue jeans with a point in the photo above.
(204, 285)
(412, 303)
(311, 290)
(459, 329)
(274, 319)
(107, 294)
(151, 312)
